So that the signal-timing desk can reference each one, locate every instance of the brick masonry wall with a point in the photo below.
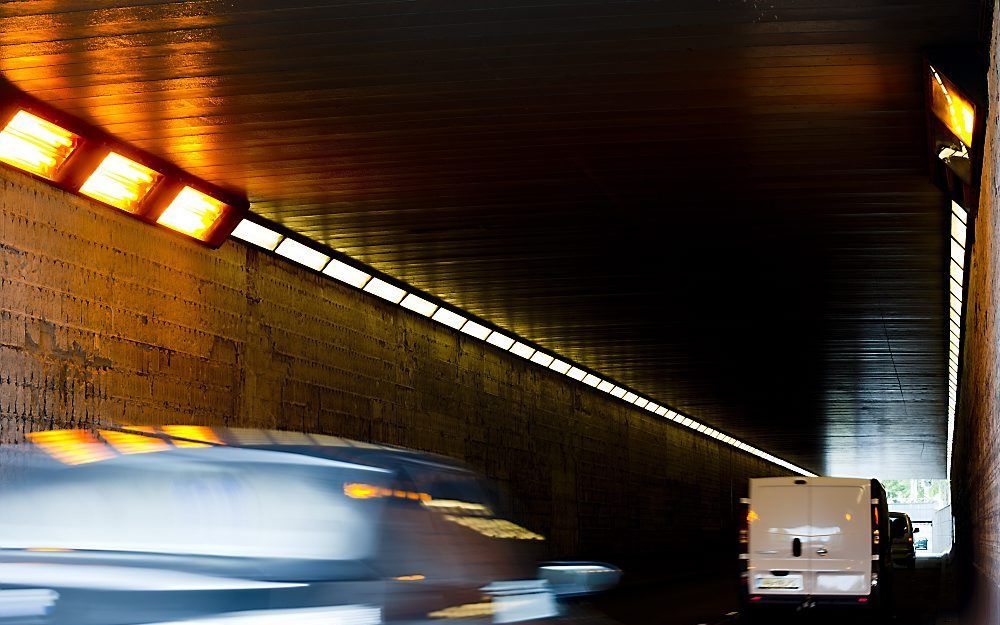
(976, 463)
(104, 319)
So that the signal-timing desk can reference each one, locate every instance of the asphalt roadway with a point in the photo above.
(923, 597)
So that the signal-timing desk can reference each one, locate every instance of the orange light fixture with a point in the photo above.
(30, 143)
(957, 113)
(193, 213)
(78, 158)
(120, 182)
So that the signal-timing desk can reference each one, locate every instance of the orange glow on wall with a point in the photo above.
(125, 443)
(193, 432)
(120, 182)
(193, 213)
(356, 490)
(71, 446)
(361, 491)
(35, 145)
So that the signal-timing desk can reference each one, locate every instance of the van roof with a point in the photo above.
(810, 481)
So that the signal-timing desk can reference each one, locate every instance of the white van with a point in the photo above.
(815, 541)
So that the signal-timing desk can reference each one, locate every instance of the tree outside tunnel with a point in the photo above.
(918, 491)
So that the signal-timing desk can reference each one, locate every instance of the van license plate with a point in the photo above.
(786, 582)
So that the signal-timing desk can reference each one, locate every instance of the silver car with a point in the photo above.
(202, 526)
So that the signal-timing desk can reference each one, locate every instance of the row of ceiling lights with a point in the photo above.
(956, 287)
(268, 237)
(80, 159)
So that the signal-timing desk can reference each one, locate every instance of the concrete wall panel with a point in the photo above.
(107, 320)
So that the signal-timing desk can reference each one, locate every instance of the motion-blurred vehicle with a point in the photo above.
(186, 524)
(920, 544)
(818, 541)
(901, 532)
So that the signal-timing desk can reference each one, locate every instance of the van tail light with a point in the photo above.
(876, 537)
(876, 543)
(746, 516)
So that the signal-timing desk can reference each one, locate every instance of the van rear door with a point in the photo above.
(839, 545)
(779, 522)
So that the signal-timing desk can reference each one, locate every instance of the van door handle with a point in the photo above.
(796, 547)
(822, 551)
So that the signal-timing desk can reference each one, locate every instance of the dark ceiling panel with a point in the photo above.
(722, 203)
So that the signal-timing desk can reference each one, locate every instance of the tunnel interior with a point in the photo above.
(728, 209)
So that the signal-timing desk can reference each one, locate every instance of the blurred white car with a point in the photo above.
(231, 526)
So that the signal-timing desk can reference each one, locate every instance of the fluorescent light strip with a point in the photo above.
(418, 305)
(957, 273)
(522, 350)
(956, 287)
(500, 340)
(258, 235)
(541, 358)
(958, 252)
(476, 330)
(449, 318)
(388, 292)
(348, 274)
(958, 229)
(560, 366)
(302, 254)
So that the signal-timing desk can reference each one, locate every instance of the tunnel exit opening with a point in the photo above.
(927, 506)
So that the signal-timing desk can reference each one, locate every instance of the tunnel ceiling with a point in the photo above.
(723, 203)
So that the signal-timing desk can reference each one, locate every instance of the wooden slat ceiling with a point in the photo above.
(721, 202)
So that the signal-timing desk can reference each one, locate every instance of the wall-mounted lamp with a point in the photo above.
(956, 116)
(74, 156)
